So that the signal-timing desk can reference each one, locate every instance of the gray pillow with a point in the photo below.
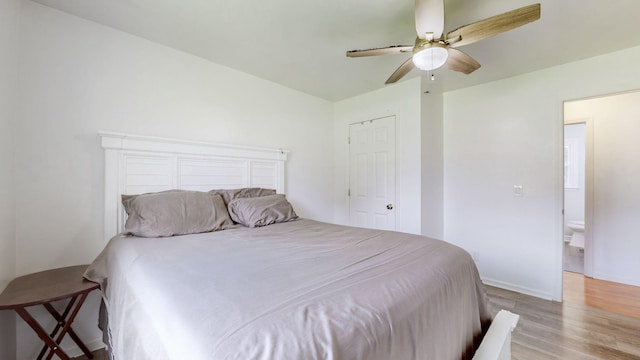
(174, 212)
(230, 194)
(261, 211)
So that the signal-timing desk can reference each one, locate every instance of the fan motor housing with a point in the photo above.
(422, 44)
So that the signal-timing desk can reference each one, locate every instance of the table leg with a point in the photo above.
(61, 321)
(69, 321)
(55, 348)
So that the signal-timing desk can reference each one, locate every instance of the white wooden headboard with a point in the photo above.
(136, 164)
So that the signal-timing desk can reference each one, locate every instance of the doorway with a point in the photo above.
(372, 173)
(612, 172)
(574, 195)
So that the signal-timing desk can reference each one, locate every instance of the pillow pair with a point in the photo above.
(180, 212)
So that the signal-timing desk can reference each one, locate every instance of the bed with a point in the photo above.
(287, 288)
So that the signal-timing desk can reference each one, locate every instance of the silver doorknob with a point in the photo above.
(389, 206)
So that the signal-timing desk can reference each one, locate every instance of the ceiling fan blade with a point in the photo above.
(495, 25)
(459, 61)
(396, 49)
(429, 18)
(401, 71)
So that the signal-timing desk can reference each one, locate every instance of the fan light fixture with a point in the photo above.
(430, 58)
(434, 48)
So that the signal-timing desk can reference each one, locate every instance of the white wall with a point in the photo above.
(403, 101)
(78, 77)
(616, 196)
(8, 63)
(509, 132)
(432, 163)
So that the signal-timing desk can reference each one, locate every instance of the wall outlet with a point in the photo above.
(518, 190)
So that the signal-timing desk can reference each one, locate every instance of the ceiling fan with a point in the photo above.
(433, 49)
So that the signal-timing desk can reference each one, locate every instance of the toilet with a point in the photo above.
(577, 237)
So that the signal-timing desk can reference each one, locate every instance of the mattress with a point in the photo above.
(296, 290)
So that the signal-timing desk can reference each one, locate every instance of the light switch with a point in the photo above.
(518, 190)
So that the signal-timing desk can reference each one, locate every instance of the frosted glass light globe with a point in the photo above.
(430, 58)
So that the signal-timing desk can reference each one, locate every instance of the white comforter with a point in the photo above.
(297, 290)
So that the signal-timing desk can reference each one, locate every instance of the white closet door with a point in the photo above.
(372, 178)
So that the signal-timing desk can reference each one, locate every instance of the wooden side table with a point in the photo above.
(43, 288)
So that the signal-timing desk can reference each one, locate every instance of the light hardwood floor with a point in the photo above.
(574, 329)
(605, 295)
(584, 327)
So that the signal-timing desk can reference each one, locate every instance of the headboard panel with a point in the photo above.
(137, 164)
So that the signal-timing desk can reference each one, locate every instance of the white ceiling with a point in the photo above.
(301, 44)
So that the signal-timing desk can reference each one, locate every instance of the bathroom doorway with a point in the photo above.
(611, 195)
(574, 195)
(578, 190)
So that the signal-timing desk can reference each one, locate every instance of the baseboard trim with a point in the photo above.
(617, 279)
(517, 288)
(93, 345)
